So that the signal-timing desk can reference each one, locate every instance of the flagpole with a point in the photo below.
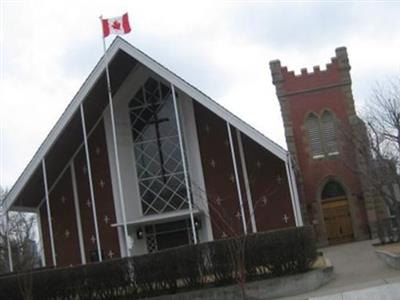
(121, 196)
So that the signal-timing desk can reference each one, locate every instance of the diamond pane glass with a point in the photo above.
(157, 151)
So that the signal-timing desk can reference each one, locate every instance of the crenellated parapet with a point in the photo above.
(335, 73)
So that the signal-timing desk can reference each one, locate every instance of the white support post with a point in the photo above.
(294, 208)
(7, 232)
(239, 191)
(41, 243)
(46, 190)
(77, 213)
(185, 171)
(114, 132)
(293, 185)
(89, 171)
(246, 182)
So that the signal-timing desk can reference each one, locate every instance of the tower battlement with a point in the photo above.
(317, 110)
(336, 72)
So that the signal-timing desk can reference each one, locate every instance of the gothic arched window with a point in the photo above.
(329, 133)
(314, 136)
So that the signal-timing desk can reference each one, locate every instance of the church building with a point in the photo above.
(162, 166)
(321, 127)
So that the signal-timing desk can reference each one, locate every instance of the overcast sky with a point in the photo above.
(48, 48)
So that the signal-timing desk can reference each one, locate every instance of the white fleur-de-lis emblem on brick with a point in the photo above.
(219, 200)
(238, 215)
(258, 164)
(98, 150)
(106, 219)
(67, 233)
(264, 200)
(232, 178)
(88, 203)
(213, 163)
(224, 235)
(84, 169)
(110, 254)
(63, 199)
(279, 179)
(285, 218)
(93, 239)
(102, 183)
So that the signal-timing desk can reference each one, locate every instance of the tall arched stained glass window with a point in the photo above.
(328, 127)
(314, 136)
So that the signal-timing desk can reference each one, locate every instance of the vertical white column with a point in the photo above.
(41, 243)
(77, 213)
(46, 190)
(288, 175)
(114, 132)
(10, 260)
(185, 171)
(89, 169)
(292, 178)
(246, 182)
(239, 191)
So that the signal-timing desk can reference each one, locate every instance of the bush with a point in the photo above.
(260, 255)
(388, 230)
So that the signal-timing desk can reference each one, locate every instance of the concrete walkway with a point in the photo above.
(386, 291)
(356, 267)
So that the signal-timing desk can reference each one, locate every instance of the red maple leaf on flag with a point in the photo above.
(116, 25)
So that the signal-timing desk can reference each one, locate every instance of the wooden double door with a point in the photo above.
(337, 218)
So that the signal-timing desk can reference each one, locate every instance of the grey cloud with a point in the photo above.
(309, 25)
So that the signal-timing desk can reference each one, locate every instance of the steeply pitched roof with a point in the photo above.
(120, 44)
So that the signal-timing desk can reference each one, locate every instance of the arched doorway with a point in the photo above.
(336, 213)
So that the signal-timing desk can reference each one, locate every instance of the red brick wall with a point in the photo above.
(263, 170)
(269, 187)
(247, 210)
(303, 103)
(63, 209)
(315, 92)
(218, 173)
(65, 231)
(85, 204)
(102, 193)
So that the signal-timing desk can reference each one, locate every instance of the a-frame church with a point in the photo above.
(167, 166)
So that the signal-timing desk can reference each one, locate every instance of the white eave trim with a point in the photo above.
(59, 126)
(150, 63)
(202, 98)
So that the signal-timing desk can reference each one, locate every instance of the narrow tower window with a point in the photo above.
(314, 136)
(329, 134)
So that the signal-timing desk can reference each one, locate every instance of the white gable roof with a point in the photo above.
(181, 84)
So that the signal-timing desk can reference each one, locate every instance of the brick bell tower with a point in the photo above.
(320, 125)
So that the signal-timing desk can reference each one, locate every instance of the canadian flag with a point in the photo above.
(117, 25)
